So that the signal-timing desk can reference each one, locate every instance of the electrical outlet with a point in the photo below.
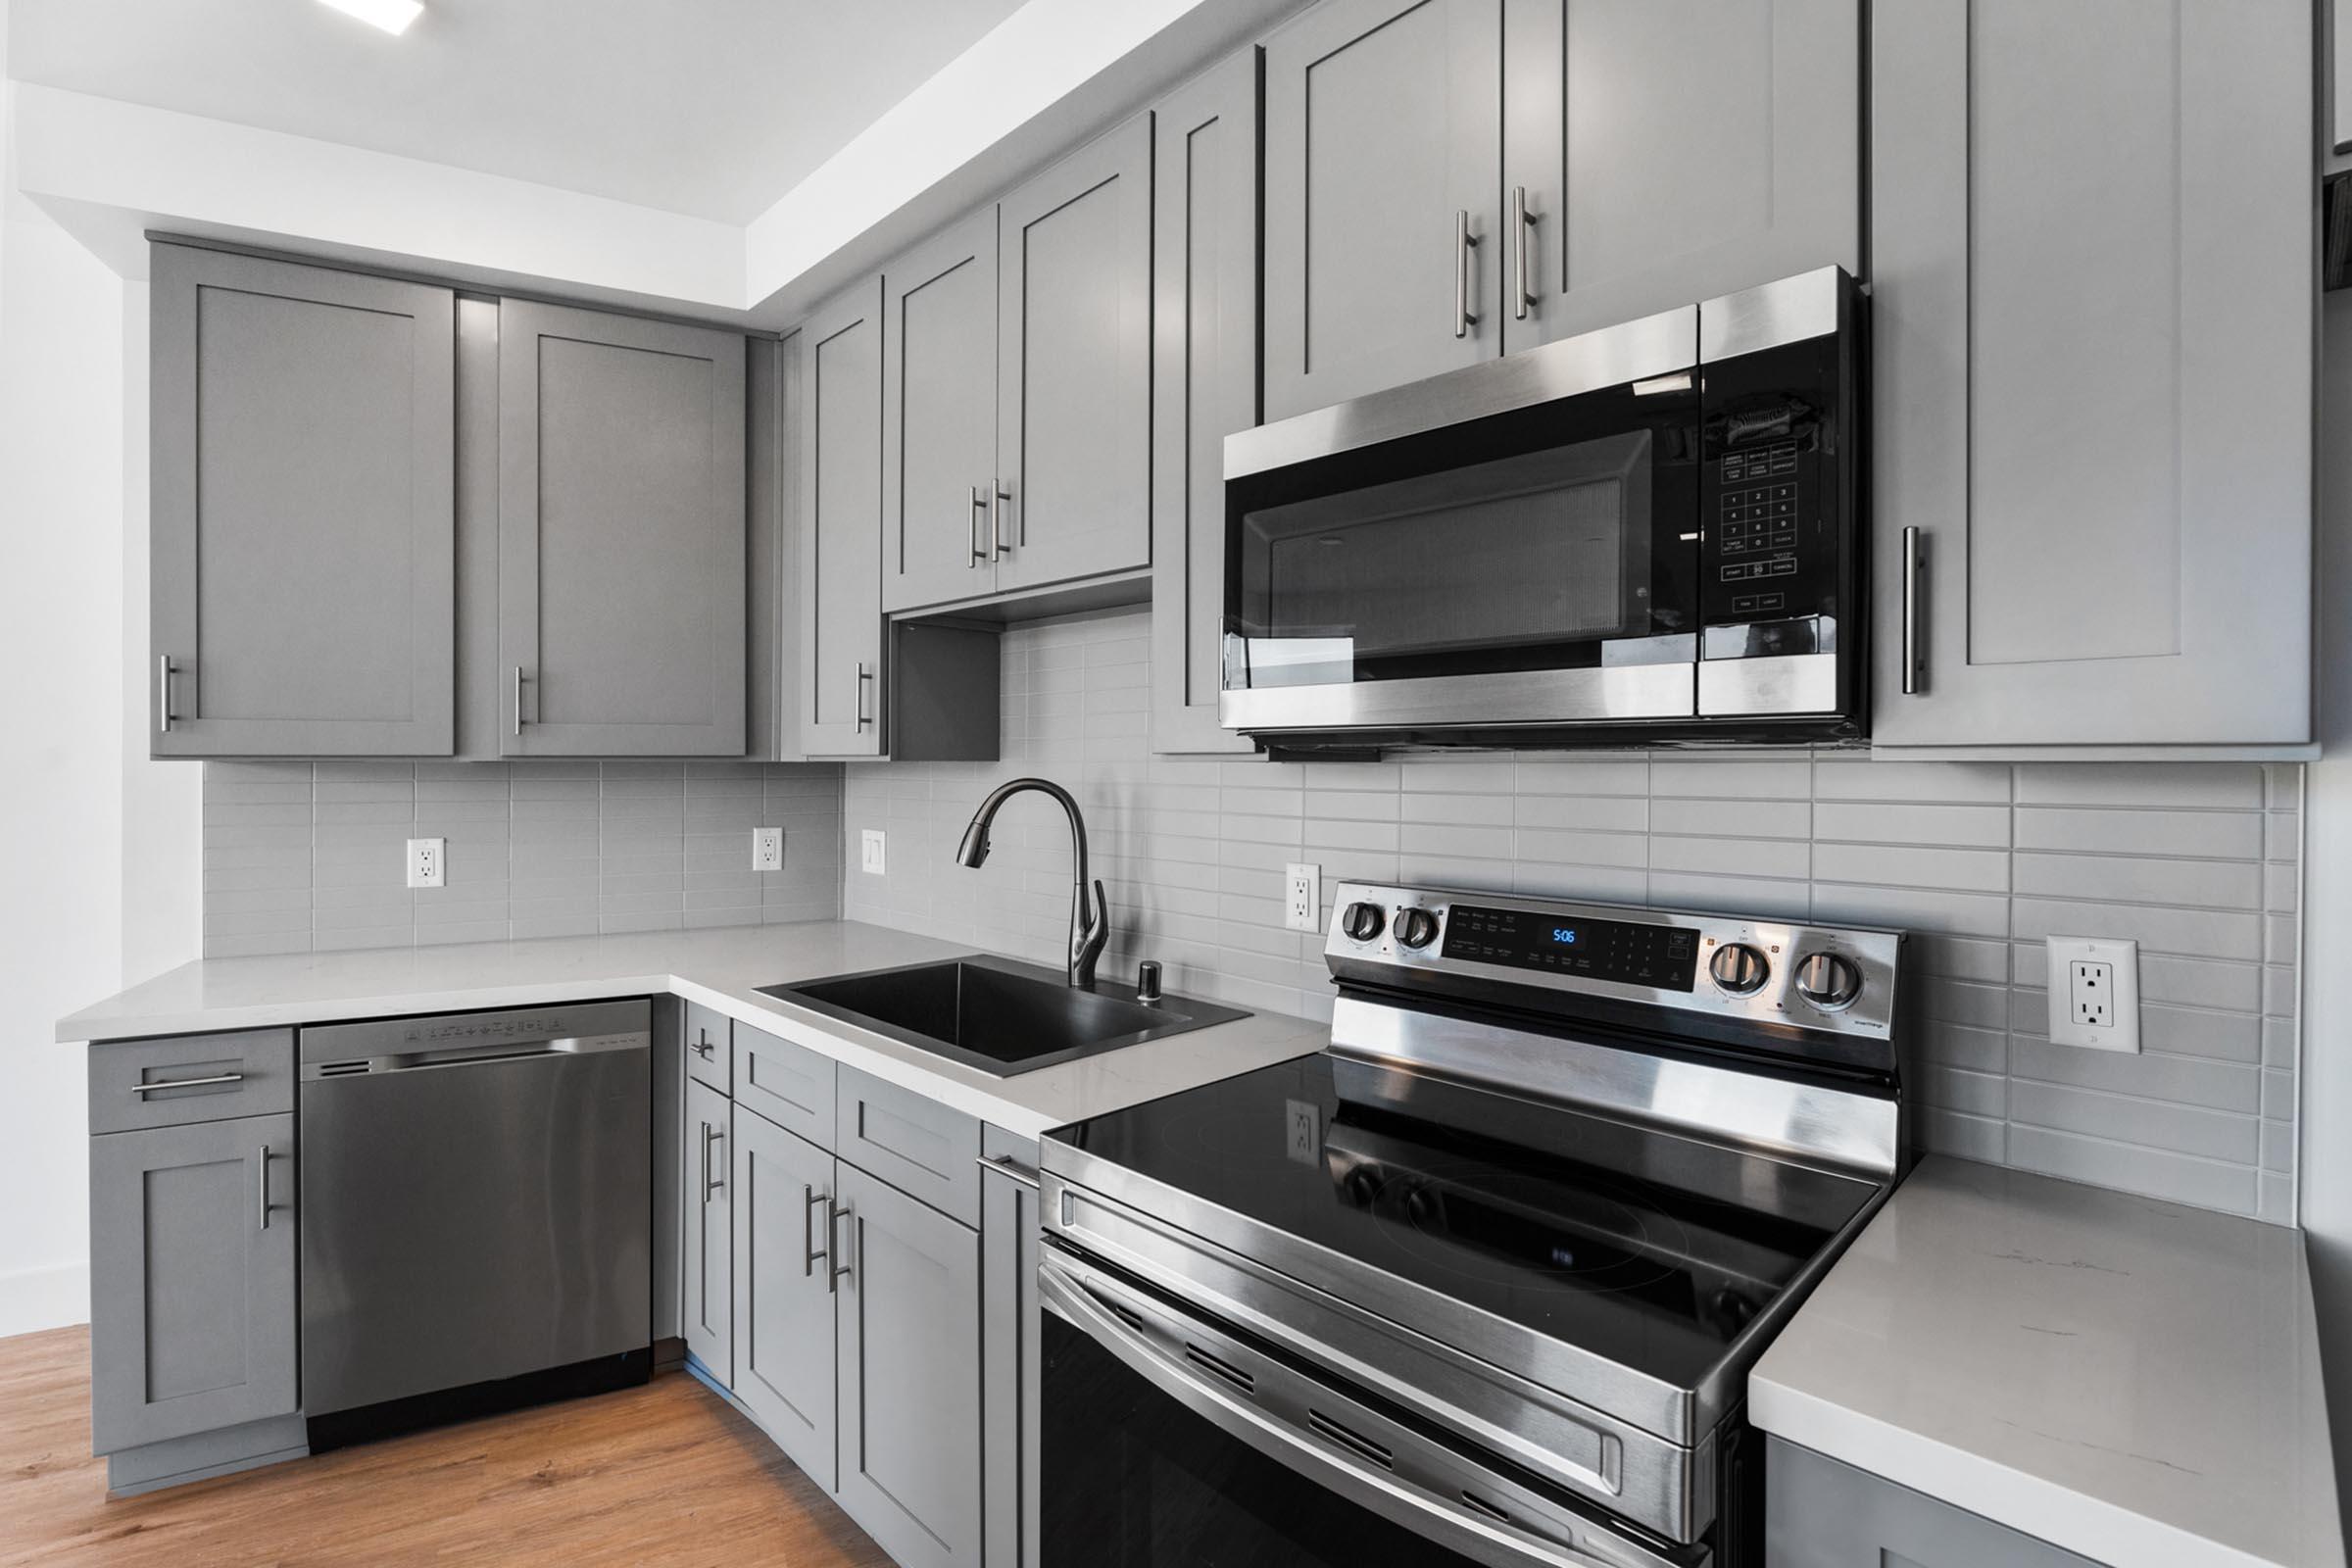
(869, 859)
(1302, 1119)
(2094, 992)
(428, 863)
(1303, 897)
(767, 849)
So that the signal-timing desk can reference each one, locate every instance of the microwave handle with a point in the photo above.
(1914, 563)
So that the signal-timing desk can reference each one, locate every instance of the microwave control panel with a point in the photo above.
(1771, 529)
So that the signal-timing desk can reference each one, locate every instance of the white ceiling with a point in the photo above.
(714, 108)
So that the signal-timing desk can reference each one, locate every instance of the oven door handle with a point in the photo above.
(1343, 1461)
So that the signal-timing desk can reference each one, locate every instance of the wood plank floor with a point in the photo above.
(662, 1474)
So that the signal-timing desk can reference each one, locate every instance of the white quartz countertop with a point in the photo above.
(718, 969)
(2133, 1380)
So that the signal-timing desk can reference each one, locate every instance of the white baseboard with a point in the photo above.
(51, 1297)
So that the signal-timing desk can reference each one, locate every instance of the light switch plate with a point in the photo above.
(870, 857)
(428, 863)
(1303, 897)
(767, 849)
(2094, 992)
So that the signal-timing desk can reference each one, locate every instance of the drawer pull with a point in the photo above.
(187, 1083)
(1006, 1165)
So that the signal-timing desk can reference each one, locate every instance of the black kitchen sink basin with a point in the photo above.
(997, 1015)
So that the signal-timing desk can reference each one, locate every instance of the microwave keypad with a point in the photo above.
(1757, 523)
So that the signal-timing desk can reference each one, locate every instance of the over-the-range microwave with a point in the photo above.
(1644, 536)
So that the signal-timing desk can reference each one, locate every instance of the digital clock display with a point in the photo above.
(1664, 958)
(1564, 935)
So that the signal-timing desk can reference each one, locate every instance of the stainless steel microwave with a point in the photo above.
(1644, 536)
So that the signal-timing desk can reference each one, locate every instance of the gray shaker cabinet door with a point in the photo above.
(909, 1326)
(706, 1308)
(840, 479)
(939, 419)
(1819, 1513)
(1384, 129)
(784, 1290)
(1204, 382)
(622, 535)
(2093, 375)
(1074, 373)
(192, 1304)
(1674, 150)
(1009, 1329)
(303, 511)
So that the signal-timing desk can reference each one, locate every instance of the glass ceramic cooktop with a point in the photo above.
(1648, 1247)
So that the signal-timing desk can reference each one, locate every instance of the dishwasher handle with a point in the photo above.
(428, 1057)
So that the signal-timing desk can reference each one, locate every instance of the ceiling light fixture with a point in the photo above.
(393, 16)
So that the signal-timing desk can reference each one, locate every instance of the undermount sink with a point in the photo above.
(997, 1015)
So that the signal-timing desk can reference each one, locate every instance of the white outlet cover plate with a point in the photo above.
(869, 859)
(767, 849)
(2123, 956)
(1303, 897)
(428, 863)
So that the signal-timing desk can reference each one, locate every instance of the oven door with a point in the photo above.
(1514, 544)
(1171, 1441)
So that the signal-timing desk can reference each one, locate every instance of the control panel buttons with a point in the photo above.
(1738, 969)
(1826, 981)
(1415, 927)
(1363, 922)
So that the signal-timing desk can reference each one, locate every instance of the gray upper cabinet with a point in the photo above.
(1384, 120)
(784, 1290)
(1657, 152)
(910, 1371)
(301, 510)
(2093, 372)
(1074, 370)
(840, 480)
(192, 1294)
(706, 1308)
(623, 537)
(939, 418)
(1204, 382)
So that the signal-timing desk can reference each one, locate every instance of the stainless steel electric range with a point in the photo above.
(1481, 1281)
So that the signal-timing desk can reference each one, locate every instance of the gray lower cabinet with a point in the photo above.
(785, 1286)
(1074, 367)
(939, 426)
(1382, 260)
(622, 535)
(1009, 1327)
(1204, 382)
(2092, 437)
(301, 510)
(840, 479)
(1659, 153)
(909, 1374)
(706, 1308)
(192, 1279)
(1819, 1513)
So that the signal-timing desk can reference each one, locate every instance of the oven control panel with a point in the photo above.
(1663, 956)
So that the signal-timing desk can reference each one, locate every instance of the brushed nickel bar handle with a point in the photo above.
(262, 1198)
(163, 703)
(517, 699)
(810, 1251)
(1465, 242)
(865, 681)
(710, 1183)
(980, 524)
(1914, 561)
(187, 1083)
(1006, 1165)
(1523, 289)
(1002, 499)
(840, 1264)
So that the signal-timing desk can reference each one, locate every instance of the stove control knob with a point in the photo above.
(1738, 969)
(1363, 922)
(1826, 981)
(1416, 928)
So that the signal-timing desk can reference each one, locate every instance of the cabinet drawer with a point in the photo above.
(916, 1145)
(136, 1083)
(708, 1057)
(790, 1085)
(1821, 1513)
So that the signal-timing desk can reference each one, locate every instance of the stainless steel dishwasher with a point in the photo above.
(476, 1214)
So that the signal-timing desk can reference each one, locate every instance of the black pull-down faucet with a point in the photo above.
(1090, 921)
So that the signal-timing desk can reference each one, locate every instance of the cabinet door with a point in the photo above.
(302, 511)
(1384, 124)
(841, 525)
(2093, 375)
(909, 1320)
(709, 1305)
(192, 1304)
(1204, 383)
(1074, 371)
(1673, 150)
(622, 536)
(1819, 1513)
(784, 1290)
(1009, 1224)
(939, 417)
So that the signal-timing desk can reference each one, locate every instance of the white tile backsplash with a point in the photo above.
(1979, 861)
